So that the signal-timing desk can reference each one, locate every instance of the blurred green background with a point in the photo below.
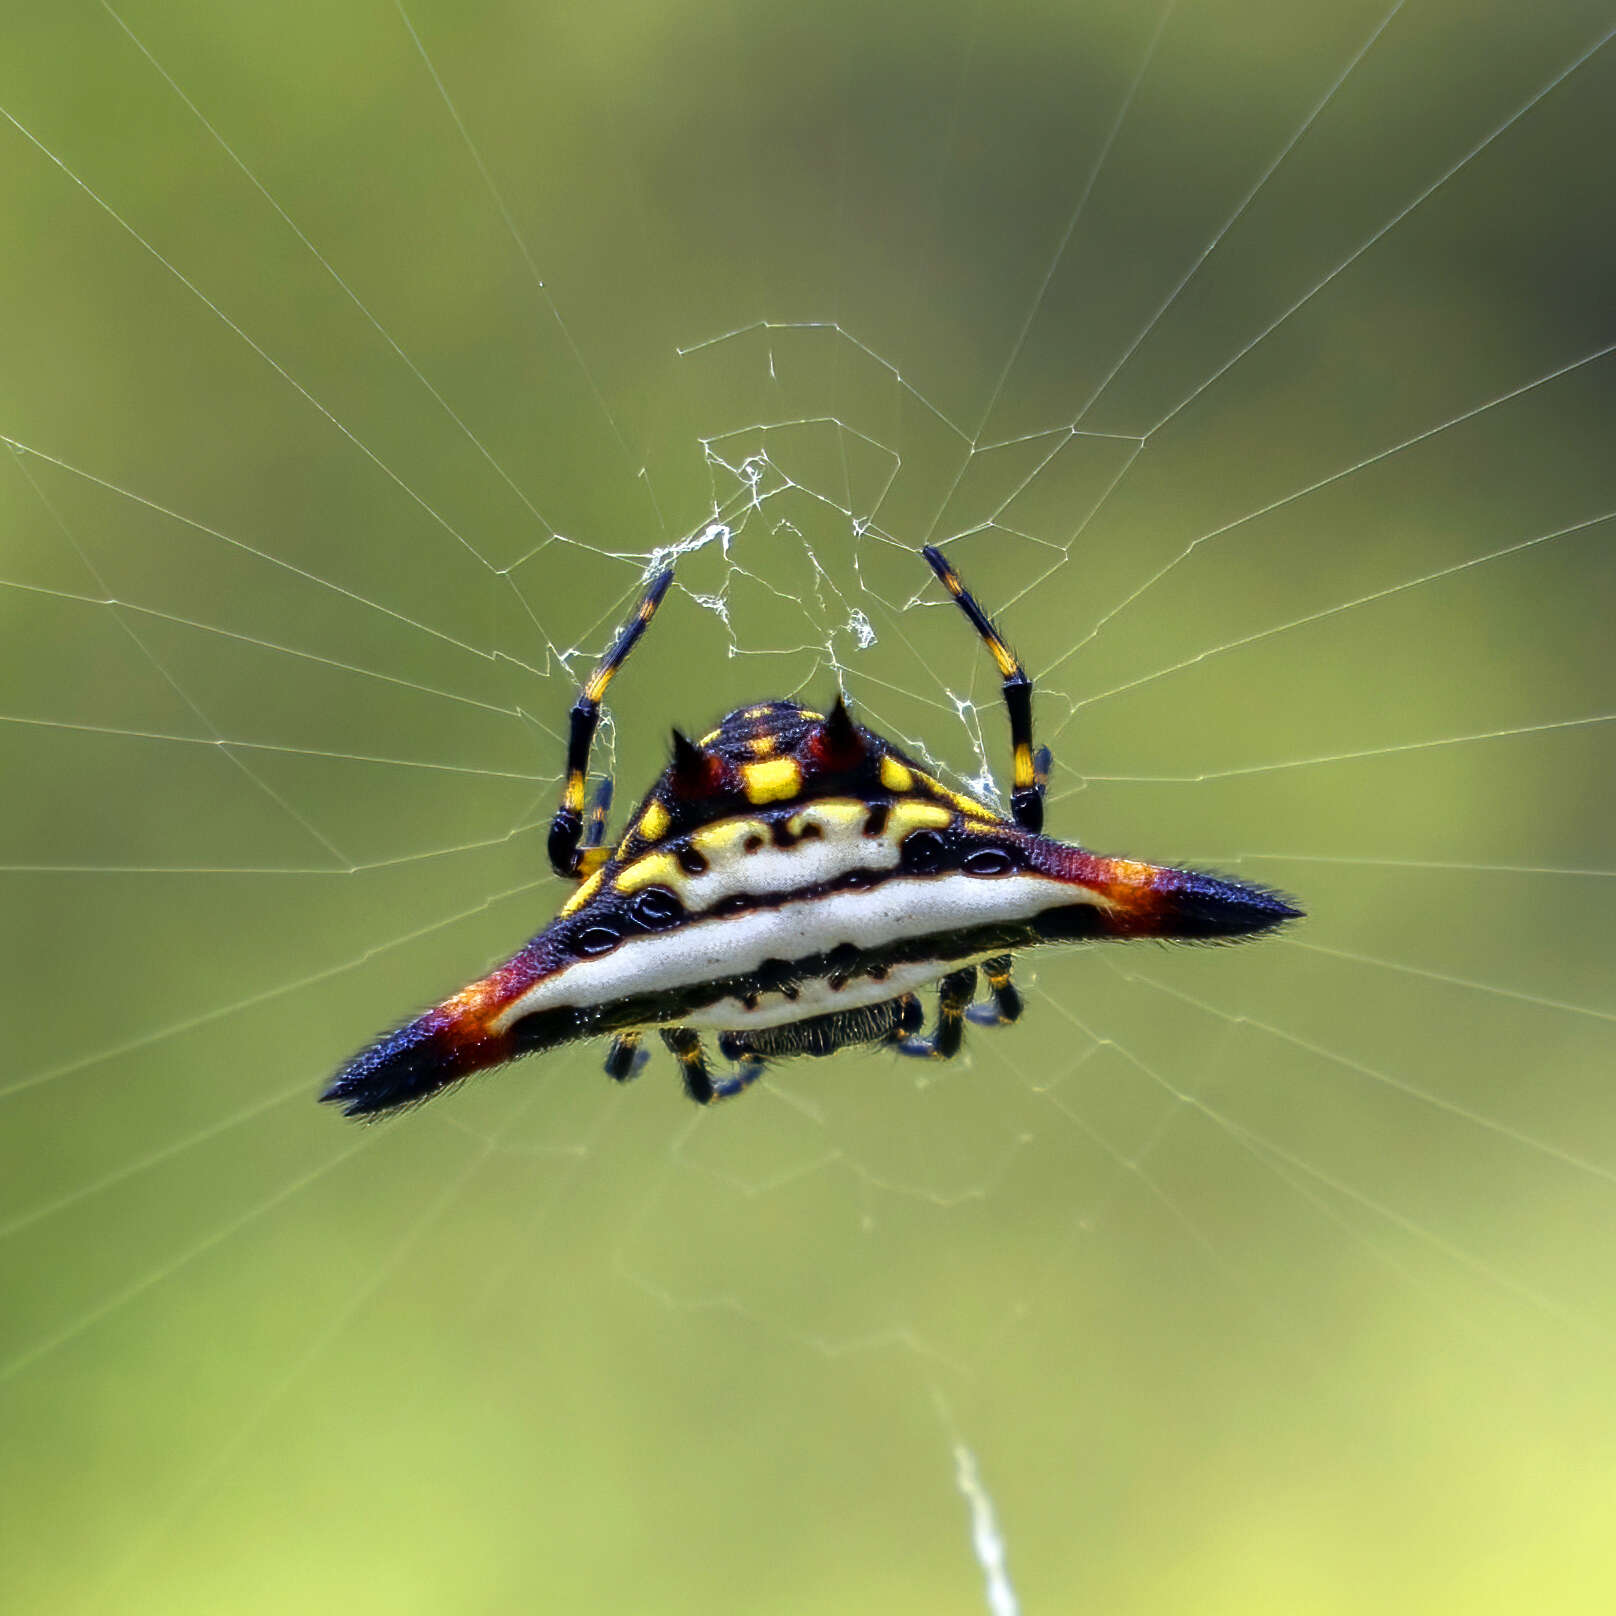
(1254, 360)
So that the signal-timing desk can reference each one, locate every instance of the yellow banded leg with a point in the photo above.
(954, 993)
(567, 828)
(685, 1047)
(1005, 1005)
(685, 1044)
(594, 852)
(1030, 768)
(598, 811)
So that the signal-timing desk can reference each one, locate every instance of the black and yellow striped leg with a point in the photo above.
(625, 1057)
(1005, 1005)
(1031, 767)
(954, 993)
(567, 828)
(685, 1044)
(599, 810)
(594, 852)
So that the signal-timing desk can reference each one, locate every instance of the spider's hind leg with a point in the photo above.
(1005, 1004)
(954, 993)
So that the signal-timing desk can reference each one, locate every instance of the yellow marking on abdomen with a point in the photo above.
(832, 814)
(969, 805)
(914, 815)
(583, 894)
(894, 776)
(655, 869)
(772, 781)
(718, 843)
(965, 804)
(653, 822)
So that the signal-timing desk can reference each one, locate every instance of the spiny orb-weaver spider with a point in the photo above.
(788, 883)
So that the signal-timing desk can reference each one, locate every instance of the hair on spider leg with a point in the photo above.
(626, 1057)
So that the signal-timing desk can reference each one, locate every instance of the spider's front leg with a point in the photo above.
(685, 1044)
(1030, 767)
(954, 993)
(567, 828)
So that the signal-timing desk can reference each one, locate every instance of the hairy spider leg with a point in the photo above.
(625, 1058)
(685, 1043)
(911, 1018)
(566, 829)
(954, 993)
(1031, 768)
(1005, 1005)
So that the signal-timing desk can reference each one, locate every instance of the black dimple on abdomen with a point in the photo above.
(656, 907)
(923, 852)
(988, 861)
(593, 940)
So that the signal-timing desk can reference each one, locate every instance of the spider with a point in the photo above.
(789, 884)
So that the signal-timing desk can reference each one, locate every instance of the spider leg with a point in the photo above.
(748, 1066)
(954, 993)
(685, 1043)
(1005, 1005)
(625, 1058)
(594, 852)
(911, 1018)
(747, 1072)
(1031, 768)
(567, 828)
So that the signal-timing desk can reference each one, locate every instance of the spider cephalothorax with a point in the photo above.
(789, 883)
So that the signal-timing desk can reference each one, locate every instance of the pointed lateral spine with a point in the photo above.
(696, 771)
(840, 743)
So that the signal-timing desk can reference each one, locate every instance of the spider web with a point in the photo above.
(1254, 368)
